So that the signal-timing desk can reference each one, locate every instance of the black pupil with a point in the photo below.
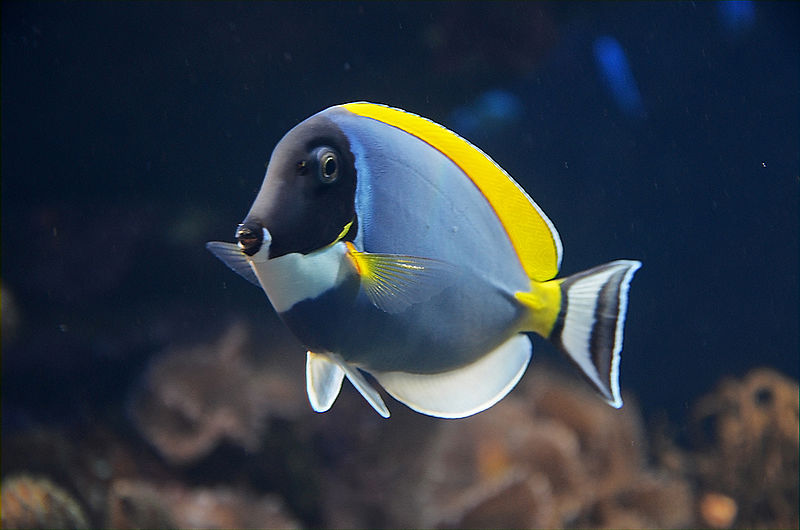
(329, 166)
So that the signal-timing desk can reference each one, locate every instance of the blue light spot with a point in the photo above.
(500, 105)
(494, 110)
(737, 16)
(617, 75)
(464, 121)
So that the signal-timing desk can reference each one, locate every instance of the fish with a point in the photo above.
(617, 74)
(397, 252)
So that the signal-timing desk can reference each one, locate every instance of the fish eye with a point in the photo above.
(328, 166)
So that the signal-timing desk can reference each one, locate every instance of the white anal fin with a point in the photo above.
(323, 381)
(466, 390)
(232, 256)
(324, 375)
(589, 331)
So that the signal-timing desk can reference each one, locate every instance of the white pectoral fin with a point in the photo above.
(323, 381)
(232, 256)
(324, 375)
(596, 302)
(466, 390)
(394, 282)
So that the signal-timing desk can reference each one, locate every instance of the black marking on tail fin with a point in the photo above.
(589, 325)
(604, 330)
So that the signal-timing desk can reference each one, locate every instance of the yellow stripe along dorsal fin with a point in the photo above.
(532, 234)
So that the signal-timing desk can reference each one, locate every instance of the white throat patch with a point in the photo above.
(294, 277)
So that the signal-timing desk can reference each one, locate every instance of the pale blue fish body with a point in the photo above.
(441, 265)
(413, 200)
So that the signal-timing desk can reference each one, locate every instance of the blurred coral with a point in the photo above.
(137, 504)
(31, 502)
(193, 398)
(551, 454)
(717, 510)
(747, 434)
(83, 460)
(121, 484)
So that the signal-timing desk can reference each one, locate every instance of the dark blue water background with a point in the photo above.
(134, 132)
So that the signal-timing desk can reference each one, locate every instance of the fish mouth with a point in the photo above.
(251, 236)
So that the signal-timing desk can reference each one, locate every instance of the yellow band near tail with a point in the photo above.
(543, 303)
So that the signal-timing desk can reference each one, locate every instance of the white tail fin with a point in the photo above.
(590, 324)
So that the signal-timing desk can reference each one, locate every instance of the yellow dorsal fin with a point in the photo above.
(531, 233)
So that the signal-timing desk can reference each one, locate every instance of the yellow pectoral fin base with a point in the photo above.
(394, 282)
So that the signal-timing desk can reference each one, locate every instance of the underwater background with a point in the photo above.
(145, 385)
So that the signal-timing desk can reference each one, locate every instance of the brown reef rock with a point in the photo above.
(138, 504)
(195, 397)
(36, 502)
(747, 459)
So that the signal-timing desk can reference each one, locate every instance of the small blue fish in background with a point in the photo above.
(494, 110)
(390, 245)
(616, 73)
